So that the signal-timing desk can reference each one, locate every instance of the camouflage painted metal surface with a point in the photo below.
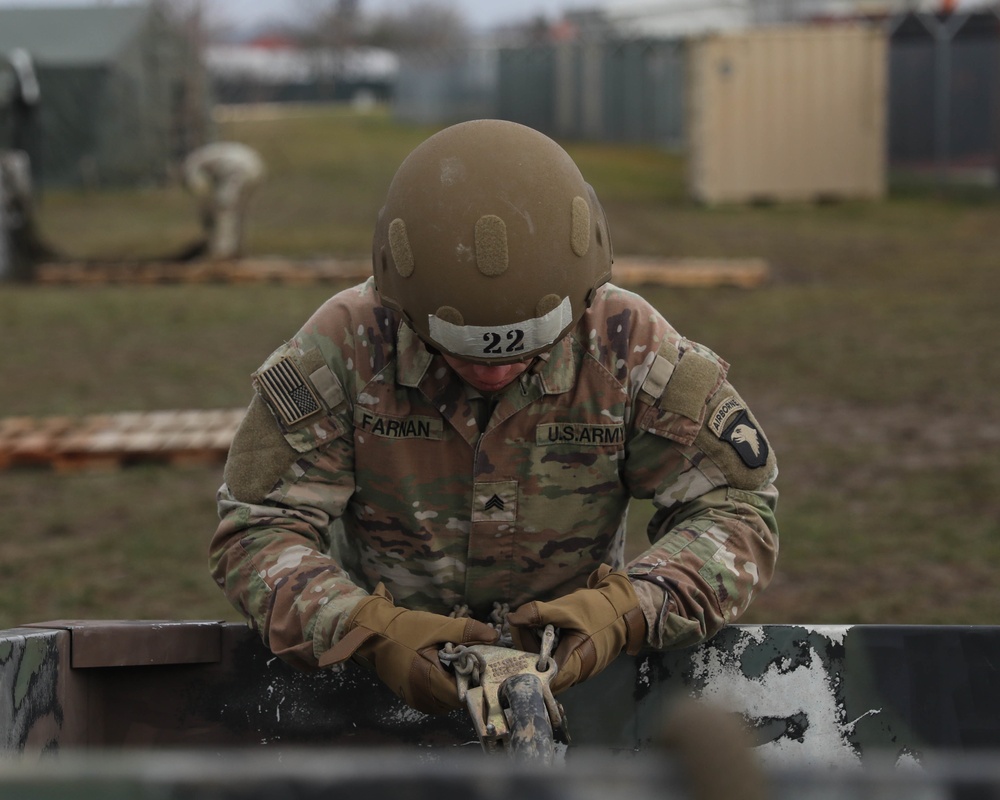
(31, 711)
(822, 697)
(374, 464)
(532, 739)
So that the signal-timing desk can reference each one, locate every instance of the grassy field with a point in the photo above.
(871, 359)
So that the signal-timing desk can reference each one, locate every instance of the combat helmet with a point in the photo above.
(490, 242)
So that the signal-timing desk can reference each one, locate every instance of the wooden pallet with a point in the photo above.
(691, 273)
(111, 441)
(745, 273)
(243, 271)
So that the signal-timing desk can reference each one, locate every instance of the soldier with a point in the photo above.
(460, 436)
(222, 175)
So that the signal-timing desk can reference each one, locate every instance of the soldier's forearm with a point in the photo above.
(275, 571)
(707, 565)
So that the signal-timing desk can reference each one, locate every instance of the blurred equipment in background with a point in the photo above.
(700, 735)
(122, 92)
(20, 244)
(222, 176)
(21, 101)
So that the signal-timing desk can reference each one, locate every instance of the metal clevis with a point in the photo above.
(508, 696)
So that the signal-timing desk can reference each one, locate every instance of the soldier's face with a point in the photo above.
(487, 377)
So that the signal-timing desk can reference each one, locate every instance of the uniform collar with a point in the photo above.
(412, 356)
(557, 367)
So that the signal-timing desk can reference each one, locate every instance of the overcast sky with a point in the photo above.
(477, 13)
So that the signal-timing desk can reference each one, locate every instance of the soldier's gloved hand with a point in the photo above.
(402, 647)
(595, 625)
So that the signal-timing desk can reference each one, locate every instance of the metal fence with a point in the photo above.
(942, 99)
(442, 87)
(620, 90)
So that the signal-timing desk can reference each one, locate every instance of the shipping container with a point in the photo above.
(787, 113)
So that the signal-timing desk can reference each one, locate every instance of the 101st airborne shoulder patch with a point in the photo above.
(289, 394)
(732, 424)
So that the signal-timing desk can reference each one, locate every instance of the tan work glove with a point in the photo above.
(402, 647)
(595, 625)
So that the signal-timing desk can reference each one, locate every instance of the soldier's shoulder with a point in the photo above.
(622, 329)
(631, 312)
(358, 305)
(610, 299)
(353, 330)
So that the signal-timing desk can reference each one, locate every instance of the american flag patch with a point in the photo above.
(288, 393)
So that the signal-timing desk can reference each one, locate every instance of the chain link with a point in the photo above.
(497, 620)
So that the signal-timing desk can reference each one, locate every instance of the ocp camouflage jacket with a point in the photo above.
(361, 459)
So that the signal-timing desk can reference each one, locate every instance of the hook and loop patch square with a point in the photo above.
(494, 501)
(288, 392)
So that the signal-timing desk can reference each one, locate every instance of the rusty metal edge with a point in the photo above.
(131, 643)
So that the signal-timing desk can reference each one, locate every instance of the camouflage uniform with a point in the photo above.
(223, 175)
(363, 458)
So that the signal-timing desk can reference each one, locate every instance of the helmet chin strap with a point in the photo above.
(501, 342)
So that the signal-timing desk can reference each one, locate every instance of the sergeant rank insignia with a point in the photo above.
(732, 424)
